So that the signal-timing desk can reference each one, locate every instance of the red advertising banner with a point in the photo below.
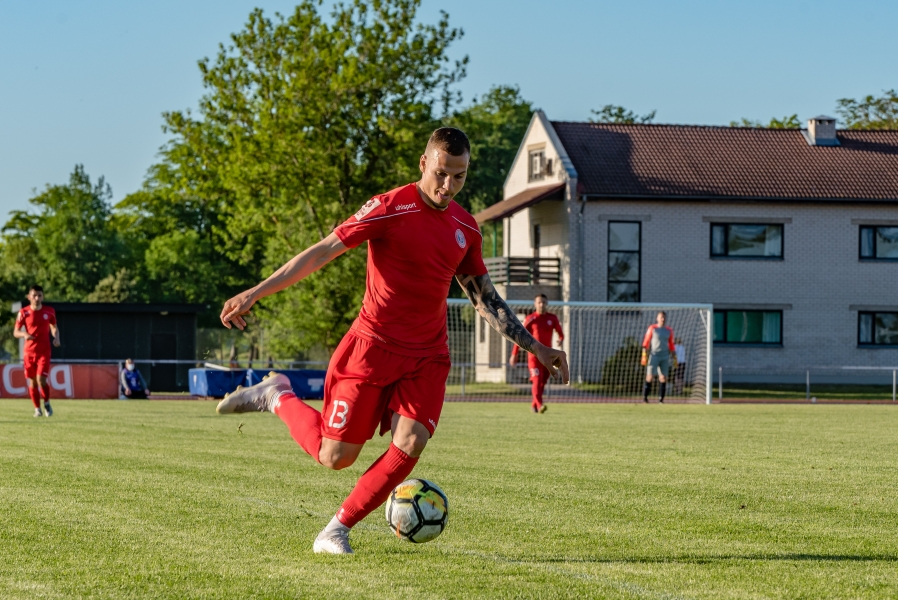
(96, 382)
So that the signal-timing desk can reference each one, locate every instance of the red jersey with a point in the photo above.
(541, 327)
(37, 323)
(414, 251)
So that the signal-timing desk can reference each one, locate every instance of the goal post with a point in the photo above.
(603, 343)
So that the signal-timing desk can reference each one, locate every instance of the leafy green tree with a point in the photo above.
(611, 113)
(788, 122)
(303, 120)
(870, 112)
(66, 243)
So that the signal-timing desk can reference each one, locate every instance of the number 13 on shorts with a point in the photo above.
(338, 414)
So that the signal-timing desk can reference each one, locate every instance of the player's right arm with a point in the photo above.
(293, 271)
(490, 305)
(19, 330)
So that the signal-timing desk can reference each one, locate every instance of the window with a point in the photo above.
(537, 165)
(879, 243)
(877, 329)
(763, 327)
(746, 240)
(624, 240)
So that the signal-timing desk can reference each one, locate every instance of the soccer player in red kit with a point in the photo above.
(390, 369)
(540, 324)
(36, 323)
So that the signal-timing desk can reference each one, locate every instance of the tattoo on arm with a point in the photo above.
(494, 310)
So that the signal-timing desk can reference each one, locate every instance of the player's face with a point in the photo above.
(661, 319)
(35, 297)
(540, 305)
(442, 175)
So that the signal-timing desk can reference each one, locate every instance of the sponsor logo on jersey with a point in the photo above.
(460, 238)
(369, 206)
(405, 206)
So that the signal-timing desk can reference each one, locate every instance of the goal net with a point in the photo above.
(603, 342)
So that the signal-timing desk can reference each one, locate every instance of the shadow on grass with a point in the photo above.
(721, 558)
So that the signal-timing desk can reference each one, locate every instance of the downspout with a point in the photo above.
(580, 251)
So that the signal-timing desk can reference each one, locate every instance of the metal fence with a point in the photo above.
(836, 382)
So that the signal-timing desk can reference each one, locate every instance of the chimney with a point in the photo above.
(821, 131)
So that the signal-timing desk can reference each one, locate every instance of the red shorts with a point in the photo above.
(37, 365)
(539, 373)
(366, 384)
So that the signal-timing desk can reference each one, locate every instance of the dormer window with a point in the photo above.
(537, 165)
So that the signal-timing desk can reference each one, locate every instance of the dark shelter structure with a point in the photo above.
(145, 332)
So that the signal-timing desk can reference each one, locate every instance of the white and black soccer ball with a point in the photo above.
(417, 510)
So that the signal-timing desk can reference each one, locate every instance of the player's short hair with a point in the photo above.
(450, 140)
(36, 288)
(543, 296)
(661, 312)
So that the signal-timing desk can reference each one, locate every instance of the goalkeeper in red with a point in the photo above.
(389, 371)
(540, 324)
(36, 323)
(657, 352)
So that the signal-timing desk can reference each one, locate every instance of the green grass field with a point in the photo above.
(168, 500)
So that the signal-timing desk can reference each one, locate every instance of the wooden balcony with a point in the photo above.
(522, 270)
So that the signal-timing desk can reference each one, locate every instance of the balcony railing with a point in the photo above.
(522, 270)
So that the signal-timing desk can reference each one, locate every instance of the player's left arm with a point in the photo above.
(557, 326)
(54, 329)
(490, 305)
(670, 340)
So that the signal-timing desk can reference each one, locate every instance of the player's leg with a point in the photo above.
(663, 368)
(535, 390)
(43, 372)
(647, 386)
(417, 402)
(32, 385)
(543, 379)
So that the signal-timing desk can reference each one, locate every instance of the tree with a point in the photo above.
(495, 124)
(303, 120)
(618, 114)
(67, 245)
(870, 112)
(788, 122)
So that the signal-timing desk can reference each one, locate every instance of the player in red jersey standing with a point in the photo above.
(540, 324)
(36, 323)
(390, 369)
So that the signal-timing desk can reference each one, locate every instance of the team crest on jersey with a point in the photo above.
(46, 317)
(549, 322)
(460, 238)
(369, 206)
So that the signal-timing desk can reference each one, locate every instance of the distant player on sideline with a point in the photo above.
(659, 344)
(36, 323)
(390, 369)
(540, 324)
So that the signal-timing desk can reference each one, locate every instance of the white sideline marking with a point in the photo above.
(632, 588)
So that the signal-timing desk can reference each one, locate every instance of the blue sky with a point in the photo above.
(86, 82)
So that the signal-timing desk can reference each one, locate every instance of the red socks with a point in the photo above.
(538, 386)
(375, 485)
(303, 421)
(35, 396)
(45, 392)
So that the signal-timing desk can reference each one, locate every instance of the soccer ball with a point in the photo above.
(417, 510)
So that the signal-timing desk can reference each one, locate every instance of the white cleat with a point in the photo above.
(38, 413)
(332, 542)
(256, 398)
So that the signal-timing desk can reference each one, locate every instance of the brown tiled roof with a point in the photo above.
(682, 161)
(528, 197)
